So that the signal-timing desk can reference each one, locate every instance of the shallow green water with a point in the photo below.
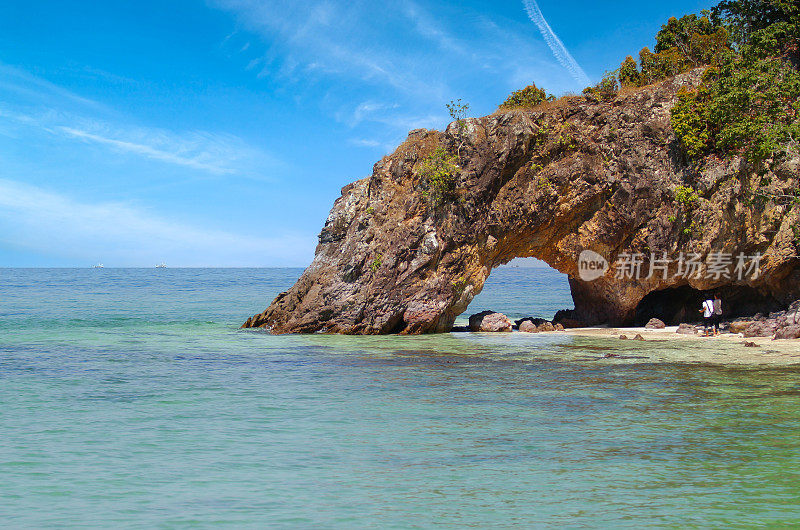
(129, 398)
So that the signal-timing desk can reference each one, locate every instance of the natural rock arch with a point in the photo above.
(548, 184)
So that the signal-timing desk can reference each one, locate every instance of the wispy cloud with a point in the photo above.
(220, 154)
(332, 39)
(203, 151)
(555, 44)
(40, 90)
(120, 234)
(408, 59)
(363, 142)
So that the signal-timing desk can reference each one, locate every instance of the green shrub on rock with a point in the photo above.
(606, 89)
(439, 171)
(629, 73)
(686, 195)
(530, 96)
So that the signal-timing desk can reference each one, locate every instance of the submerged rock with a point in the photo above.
(638, 337)
(489, 321)
(749, 344)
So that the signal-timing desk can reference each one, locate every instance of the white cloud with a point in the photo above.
(123, 235)
(362, 142)
(390, 64)
(555, 44)
(41, 91)
(204, 151)
(196, 150)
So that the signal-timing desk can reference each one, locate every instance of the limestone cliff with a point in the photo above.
(551, 182)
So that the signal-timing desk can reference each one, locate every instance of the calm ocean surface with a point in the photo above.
(129, 398)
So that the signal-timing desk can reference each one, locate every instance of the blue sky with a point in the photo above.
(219, 133)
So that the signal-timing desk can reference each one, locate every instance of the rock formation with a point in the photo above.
(686, 329)
(779, 325)
(573, 175)
(489, 321)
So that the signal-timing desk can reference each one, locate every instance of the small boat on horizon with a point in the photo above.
(98, 266)
(161, 265)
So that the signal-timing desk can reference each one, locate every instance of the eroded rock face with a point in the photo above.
(579, 175)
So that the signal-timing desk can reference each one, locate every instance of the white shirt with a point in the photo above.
(708, 308)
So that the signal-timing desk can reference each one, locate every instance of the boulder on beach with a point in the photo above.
(761, 328)
(528, 326)
(559, 327)
(655, 323)
(792, 315)
(533, 320)
(546, 326)
(788, 332)
(638, 337)
(686, 329)
(738, 326)
(749, 344)
(489, 321)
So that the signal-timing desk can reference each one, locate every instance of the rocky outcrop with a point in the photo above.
(738, 326)
(535, 321)
(548, 183)
(788, 332)
(761, 328)
(489, 321)
(779, 325)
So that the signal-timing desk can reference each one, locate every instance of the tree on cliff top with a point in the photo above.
(749, 103)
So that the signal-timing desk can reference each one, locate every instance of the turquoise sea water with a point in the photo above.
(129, 398)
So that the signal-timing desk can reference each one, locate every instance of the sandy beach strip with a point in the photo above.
(726, 348)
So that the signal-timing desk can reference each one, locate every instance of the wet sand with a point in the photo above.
(726, 348)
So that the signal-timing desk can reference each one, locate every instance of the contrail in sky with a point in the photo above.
(555, 44)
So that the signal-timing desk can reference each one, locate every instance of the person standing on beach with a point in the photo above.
(708, 311)
(716, 317)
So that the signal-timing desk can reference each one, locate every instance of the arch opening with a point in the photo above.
(522, 288)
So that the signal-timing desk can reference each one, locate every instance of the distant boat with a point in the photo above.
(161, 265)
(98, 266)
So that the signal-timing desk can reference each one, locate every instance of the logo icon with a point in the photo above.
(591, 265)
